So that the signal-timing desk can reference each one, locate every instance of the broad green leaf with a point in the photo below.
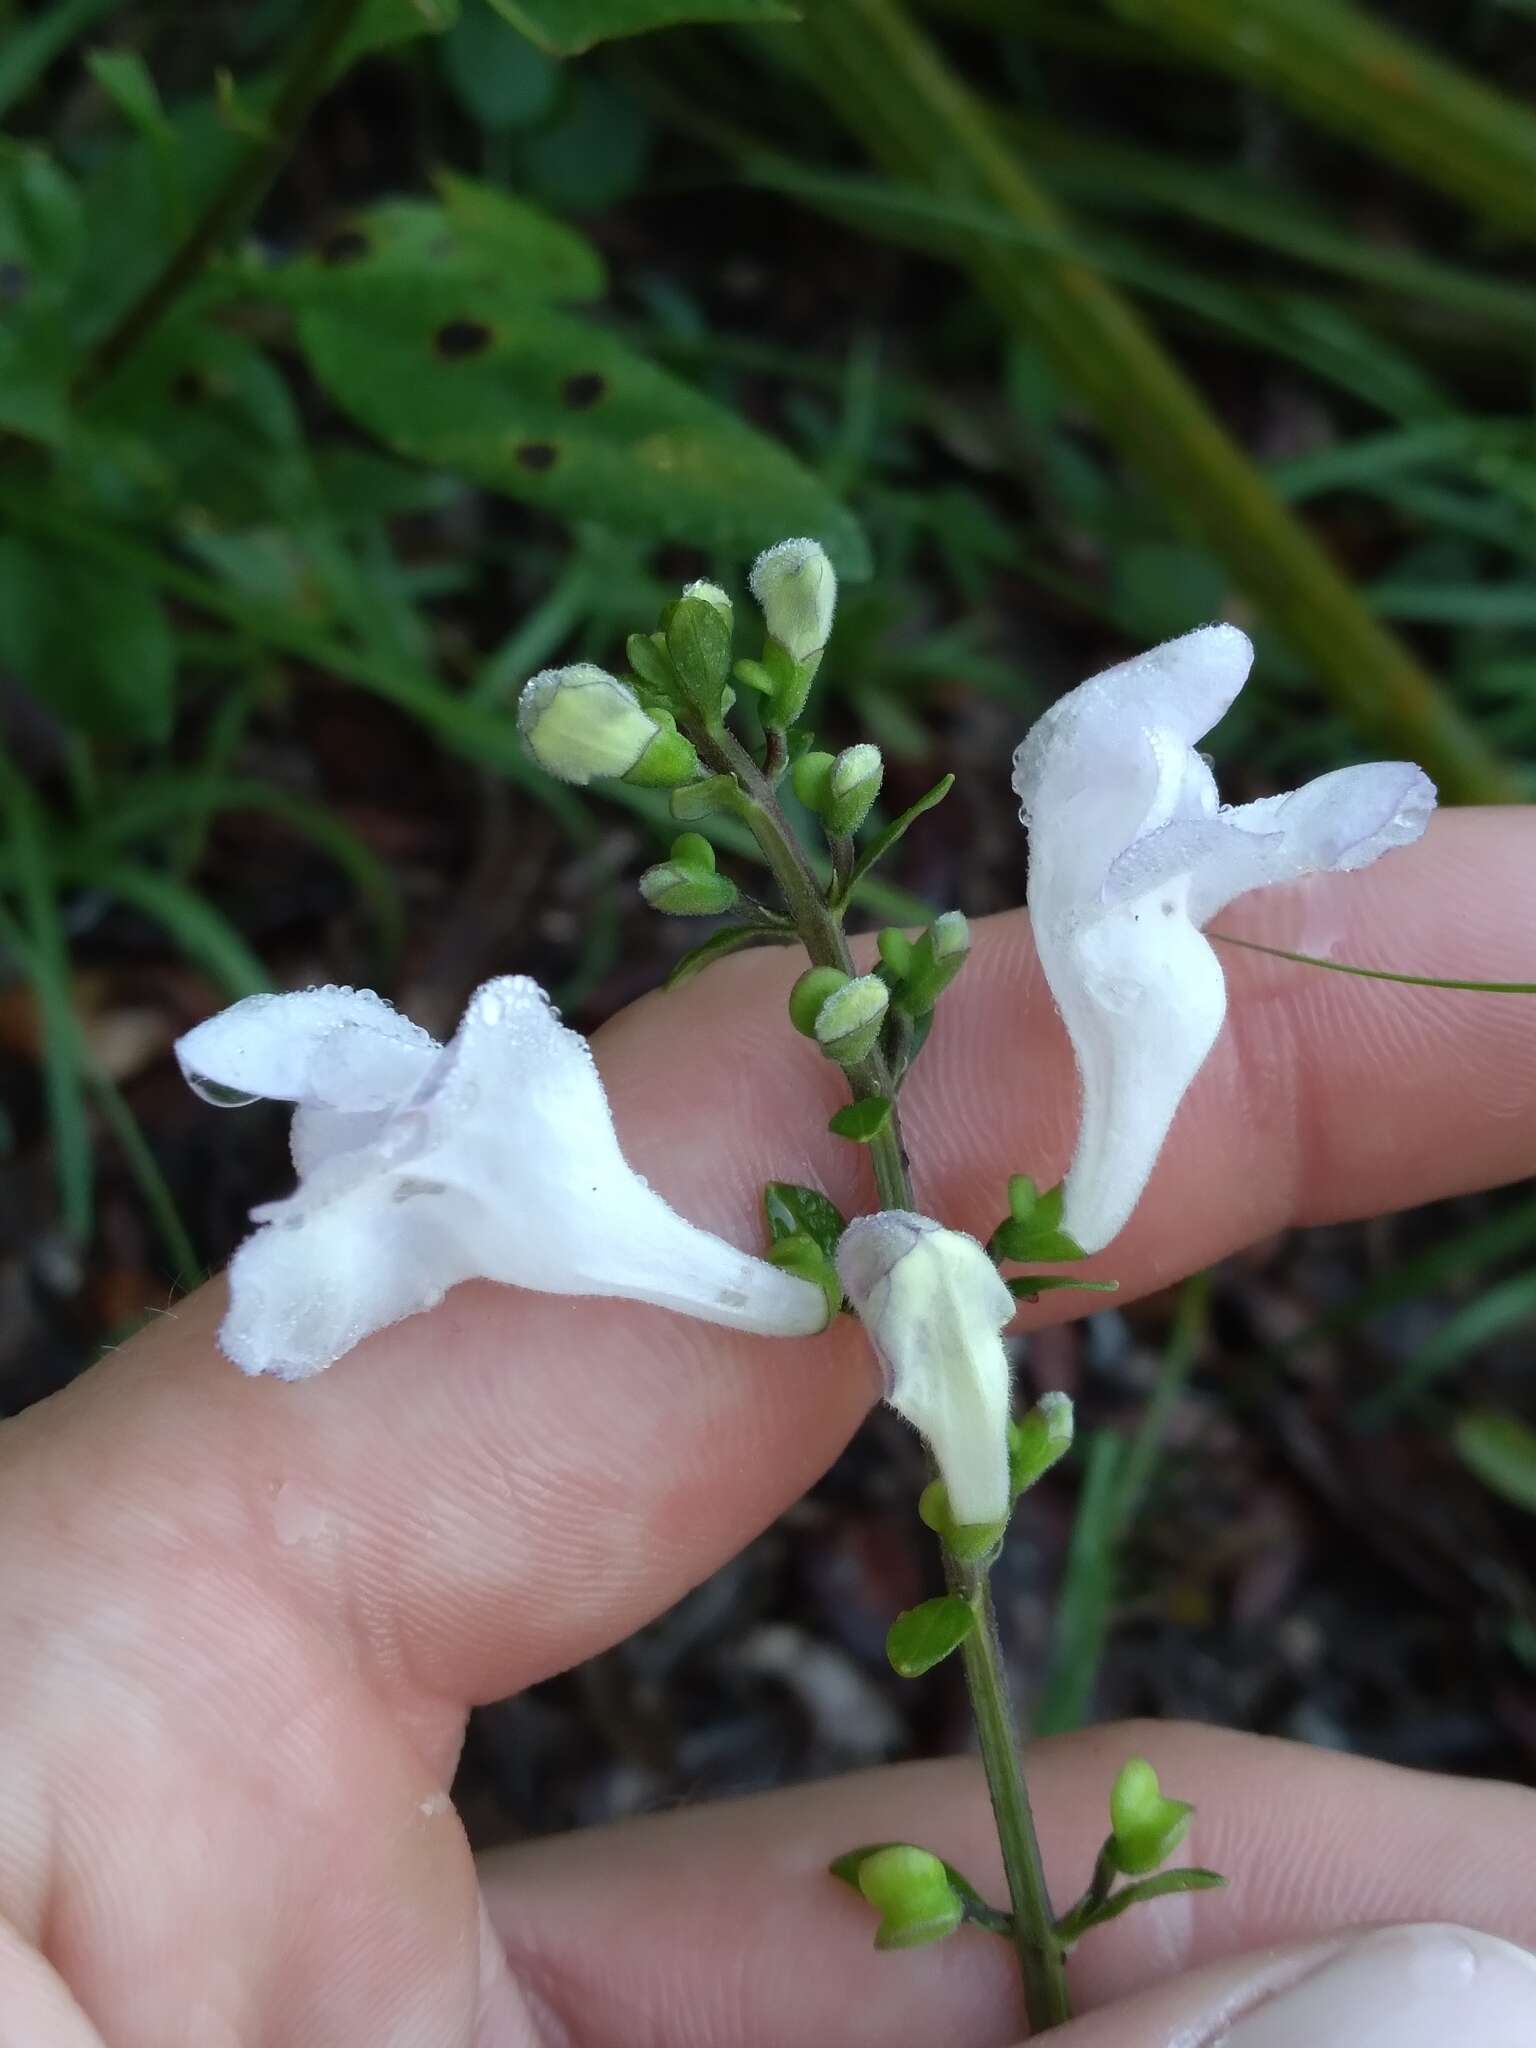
(87, 640)
(595, 150)
(475, 241)
(923, 1636)
(544, 408)
(567, 27)
(802, 1212)
(732, 938)
(1501, 1450)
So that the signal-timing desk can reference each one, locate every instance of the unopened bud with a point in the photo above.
(852, 787)
(687, 885)
(797, 588)
(1038, 1440)
(580, 723)
(1147, 1827)
(848, 1022)
(936, 958)
(809, 993)
(910, 1889)
(711, 593)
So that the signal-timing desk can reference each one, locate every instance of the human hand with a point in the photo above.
(241, 1623)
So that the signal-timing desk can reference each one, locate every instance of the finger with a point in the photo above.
(481, 1496)
(1390, 1987)
(720, 1925)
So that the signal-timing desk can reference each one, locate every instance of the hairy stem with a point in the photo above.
(1033, 1932)
(308, 75)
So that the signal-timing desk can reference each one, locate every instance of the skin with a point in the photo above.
(241, 1623)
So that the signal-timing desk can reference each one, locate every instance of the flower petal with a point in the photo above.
(1142, 996)
(1333, 825)
(515, 1115)
(321, 1277)
(934, 1305)
(335, 1048)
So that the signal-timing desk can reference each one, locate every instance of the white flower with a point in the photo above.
(422, 1165)
(796, 586)
(934, 1307)
(1130, 854)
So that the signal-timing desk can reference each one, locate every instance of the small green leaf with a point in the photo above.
(862, 1120)
(1038, 1440)
(565, 28)
(1162, 1886)
(700, 799)
(882, 842)
(733, 938)
(924, 1636)
(699, 642)
(1030, 1286)
(793, 1210)
(1501, 1450)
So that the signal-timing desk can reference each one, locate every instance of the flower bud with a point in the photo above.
(852, 787)
(934, 1308)
(1038, 1440)
(809, 776)
(936, 958)
(809, 993)
(911, 1891)
(849, 1021)
(711, 593)
(1147, 1827)
(580, 723)
(686, 885)
(797, 588)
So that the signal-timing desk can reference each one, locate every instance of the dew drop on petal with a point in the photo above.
(220, 1096)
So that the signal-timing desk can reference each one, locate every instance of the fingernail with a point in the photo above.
(1403, 1987)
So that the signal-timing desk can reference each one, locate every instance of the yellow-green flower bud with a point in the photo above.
(1147, 1827)
(686, 891)
(580, 723)
(911, 1891)
(711, 594)
(809, 777)
(1037, 1440)
(849, 1021)
(797, 588)
(809, 993)
(852, 786)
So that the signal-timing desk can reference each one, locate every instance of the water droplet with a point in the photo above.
(220, 1096)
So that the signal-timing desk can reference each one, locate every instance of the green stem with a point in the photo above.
(308, 75)
(1033, 1931)
(1035, 1940)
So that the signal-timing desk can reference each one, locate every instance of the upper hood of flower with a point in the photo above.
(422, 1165)
(1131, 851)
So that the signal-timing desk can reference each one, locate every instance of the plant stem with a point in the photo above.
(1033, 1933)
(1034, 1930)
(308, 75)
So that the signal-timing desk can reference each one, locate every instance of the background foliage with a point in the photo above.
(358, 358)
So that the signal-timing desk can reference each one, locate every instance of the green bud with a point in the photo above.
(797, 588)
(580, 723)
(911, 1891)
(1147, 1827)
(1038, 1440)
(699, 643)
(852, 787)
(808, 995)
(693, 850)
(810, 776)
(896, 952)
(848, 1022)
(937, 957)
(711, 593)
(687, 885)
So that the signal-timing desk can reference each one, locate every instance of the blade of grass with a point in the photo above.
(1482, 988)
(1492, 1314)
(892, 88)
(1344, 69)
(202, 932)
(186, 1268)
(32, 47)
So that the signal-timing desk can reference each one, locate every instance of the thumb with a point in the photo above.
(1384, 1987)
